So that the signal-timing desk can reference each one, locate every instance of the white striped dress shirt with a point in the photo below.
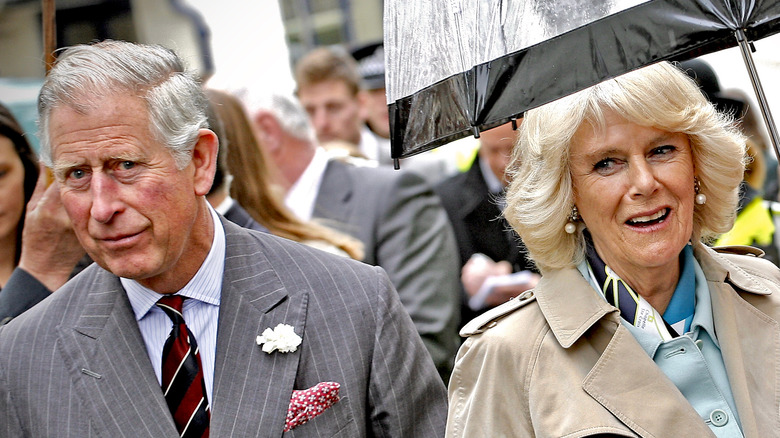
(201, 310)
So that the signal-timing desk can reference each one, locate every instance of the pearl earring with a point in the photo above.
(570, 226)
(700, 198)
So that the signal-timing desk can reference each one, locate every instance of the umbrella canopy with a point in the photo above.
(458, 67)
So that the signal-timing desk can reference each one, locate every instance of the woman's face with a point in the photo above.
(11, 188)
(634, 190)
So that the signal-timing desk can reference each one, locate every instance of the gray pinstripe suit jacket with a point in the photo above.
(405, 230)
(76, 365)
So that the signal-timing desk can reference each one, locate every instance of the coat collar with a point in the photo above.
(743, 330)
(571, 314)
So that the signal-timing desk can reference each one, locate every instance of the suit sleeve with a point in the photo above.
(407, 398)
(9, 422)
(417, 248)
(21, 292)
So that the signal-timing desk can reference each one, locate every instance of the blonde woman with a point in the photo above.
(636, 328)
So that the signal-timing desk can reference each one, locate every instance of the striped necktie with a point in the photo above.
(182, 374)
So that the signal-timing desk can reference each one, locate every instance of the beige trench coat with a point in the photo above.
(558, 363)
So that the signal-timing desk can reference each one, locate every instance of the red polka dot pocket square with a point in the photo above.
(306, 404)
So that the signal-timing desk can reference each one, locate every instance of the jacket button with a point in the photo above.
(719, 417)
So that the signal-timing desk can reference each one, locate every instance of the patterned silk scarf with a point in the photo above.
(635, 309)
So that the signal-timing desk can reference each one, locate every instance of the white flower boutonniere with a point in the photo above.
(282, 338)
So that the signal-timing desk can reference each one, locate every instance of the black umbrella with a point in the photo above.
(458, 67)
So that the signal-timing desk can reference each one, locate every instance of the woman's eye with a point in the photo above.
(604, 165)
(663, 150)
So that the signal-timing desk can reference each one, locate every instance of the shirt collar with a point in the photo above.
(494, 184)
(682, 305)
(702, 316)
(205, 286)
(301, 196)
(225, 205)
(369, 144)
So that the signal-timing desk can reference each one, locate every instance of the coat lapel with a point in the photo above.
(252, 389)
(750, 343)
(624, 374)
(105, 355)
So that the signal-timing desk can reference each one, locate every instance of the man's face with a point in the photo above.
(335, 111)
(495, 147)
(132, 209)
(377, 115)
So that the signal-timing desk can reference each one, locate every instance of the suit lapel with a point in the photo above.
(475, 191)
(252, 389)
(105, 356)
(335, 193)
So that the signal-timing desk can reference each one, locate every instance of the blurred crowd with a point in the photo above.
(315, 168)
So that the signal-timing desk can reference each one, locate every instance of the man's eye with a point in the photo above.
(77, 174)
(127, 165)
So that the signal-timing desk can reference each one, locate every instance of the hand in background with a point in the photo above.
(493, 282)
(50, 249)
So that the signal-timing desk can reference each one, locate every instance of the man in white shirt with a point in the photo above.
(396, 215)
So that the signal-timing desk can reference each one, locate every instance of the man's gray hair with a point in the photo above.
(286, 108)
(84, 74)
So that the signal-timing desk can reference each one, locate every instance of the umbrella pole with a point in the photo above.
(744, 46)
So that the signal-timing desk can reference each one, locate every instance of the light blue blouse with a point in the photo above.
(693, 361)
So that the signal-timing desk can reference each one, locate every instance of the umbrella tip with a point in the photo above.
(396, 164)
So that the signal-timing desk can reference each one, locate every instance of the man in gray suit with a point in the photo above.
(277, 339)
(401, 222)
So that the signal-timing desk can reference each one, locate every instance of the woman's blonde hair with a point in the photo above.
(540, 196)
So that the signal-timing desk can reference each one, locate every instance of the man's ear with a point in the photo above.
(204, 158)
(268, 131)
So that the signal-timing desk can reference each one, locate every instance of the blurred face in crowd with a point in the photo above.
(133, 210)
(377, 115)
(495, 148)
(634, 190)
(335, 111)
(11, 189)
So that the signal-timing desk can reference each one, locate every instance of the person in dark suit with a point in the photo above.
(490, 251)
(273, 338)
(396, 215)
